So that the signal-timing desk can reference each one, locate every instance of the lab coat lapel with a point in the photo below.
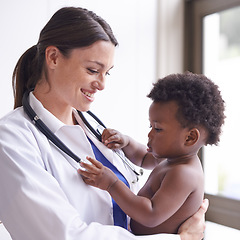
(75, 137)
(108, 153)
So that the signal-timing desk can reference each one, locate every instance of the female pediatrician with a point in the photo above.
(42, 197)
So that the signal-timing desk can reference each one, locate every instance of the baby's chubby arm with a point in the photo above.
(148, 212)
(136, 207)
(134, 151)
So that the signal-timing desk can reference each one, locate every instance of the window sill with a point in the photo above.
(220, 232)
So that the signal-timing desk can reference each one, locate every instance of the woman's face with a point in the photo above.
(75, 79)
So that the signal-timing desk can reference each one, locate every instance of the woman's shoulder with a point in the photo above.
(15, 121)
(15, 117)
(12, 115)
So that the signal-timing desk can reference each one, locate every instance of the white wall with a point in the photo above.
(170, 37)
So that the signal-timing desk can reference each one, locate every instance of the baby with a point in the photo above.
(187, 113)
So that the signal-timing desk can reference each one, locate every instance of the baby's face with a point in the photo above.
(167, 136)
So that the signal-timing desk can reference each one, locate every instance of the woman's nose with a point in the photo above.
(99, 83)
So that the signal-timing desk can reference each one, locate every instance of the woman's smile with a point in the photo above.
(88, 94)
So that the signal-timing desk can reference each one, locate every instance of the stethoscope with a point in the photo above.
(58, 143)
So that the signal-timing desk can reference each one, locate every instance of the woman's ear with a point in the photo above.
(192, 137)
(51, 55)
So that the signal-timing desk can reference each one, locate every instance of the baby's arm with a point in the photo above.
(150, 212)
(102, 177)
(133, 150)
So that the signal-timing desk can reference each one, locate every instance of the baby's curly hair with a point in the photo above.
(199, 99)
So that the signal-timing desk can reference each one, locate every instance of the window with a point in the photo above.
(213, 48)
(221, 61)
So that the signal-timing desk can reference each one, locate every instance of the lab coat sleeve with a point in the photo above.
(33, 205)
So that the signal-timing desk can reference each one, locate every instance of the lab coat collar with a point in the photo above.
(53, 123)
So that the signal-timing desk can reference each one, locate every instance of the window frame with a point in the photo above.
(222, 210)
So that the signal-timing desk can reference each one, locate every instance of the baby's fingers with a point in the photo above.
(107, 132)
(87, 180)
(84, 173)
(95, 162)
(110, 135)
(86, 168)
(88, 176)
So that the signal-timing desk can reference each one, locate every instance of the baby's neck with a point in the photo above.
(183, 159)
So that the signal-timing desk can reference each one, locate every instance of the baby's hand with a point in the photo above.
(114, 139)
(97, 175)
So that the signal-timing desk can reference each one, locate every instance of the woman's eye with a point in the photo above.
(92, 71)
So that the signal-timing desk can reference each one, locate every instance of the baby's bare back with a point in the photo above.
(185, 206)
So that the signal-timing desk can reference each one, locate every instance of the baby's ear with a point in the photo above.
(192, 137)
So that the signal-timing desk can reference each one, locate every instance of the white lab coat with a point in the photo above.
(42, 197)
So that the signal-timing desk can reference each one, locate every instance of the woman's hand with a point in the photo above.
(193, 228)
(97, 175)
(114, 139)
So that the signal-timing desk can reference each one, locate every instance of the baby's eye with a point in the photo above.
(158, 129)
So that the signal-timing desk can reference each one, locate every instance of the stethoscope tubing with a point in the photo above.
(128, 164)
(45, 130)
(96, 134)
(57, 142)
(99, 137)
